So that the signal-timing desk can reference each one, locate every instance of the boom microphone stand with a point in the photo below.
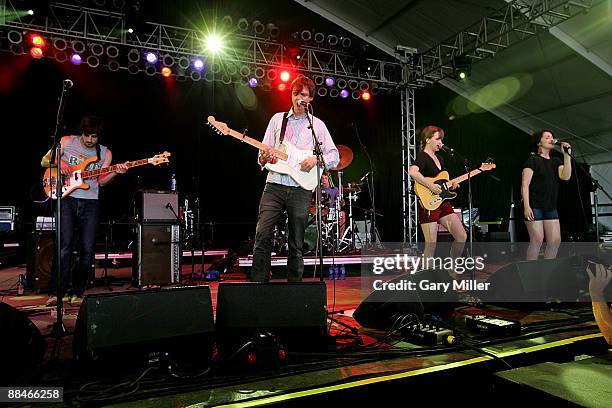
(320, 164)
(58, 329)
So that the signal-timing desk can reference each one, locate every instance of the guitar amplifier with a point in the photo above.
(157, 254)
(158, 206)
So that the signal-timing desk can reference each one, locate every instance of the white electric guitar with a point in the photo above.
(289, 156)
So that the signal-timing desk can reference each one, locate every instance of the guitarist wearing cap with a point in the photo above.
(282, 192)
(81, 208)
(429, 164)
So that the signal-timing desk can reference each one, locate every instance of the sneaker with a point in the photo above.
(75, 300)
(52, 301)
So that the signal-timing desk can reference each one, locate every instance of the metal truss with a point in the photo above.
(409, 149)
(103, 26)
(519, 20)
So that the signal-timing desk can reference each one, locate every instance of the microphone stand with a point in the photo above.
(58, 328)
(595, 186)
(371, 192)
(320, 164)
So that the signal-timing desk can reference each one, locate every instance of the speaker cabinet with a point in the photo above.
(158, 254)
(294, 312)
(22, 347)
(39, 260)
(139, 326)
(157, 206)
(382, 308)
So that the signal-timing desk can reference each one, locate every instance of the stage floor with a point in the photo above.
(355, 366)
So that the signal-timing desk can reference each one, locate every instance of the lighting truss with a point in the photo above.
(108, 27)
(517, 21)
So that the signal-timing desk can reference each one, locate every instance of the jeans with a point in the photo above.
(275, 199)
(78, 216)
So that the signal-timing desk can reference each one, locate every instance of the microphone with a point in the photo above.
(558, 142)
(447, 149)
(302, 103)
(364, 177)
(68, 83)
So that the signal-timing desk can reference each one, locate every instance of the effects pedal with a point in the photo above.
(495, 326)
(426, 334)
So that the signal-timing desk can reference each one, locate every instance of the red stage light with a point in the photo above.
(365, 96)
(165, 71)
(285, 76)
(282, 87)
(36, 52)
(37, 41)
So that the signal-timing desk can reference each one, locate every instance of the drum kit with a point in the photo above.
(337, 204)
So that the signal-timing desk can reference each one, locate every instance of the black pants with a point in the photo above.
(275, 199)
(78, 216)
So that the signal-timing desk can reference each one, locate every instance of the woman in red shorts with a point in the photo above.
(428, 164)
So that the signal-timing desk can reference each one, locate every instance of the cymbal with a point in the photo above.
(346, 157)
(352, 188)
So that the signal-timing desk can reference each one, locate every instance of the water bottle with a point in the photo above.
(341, 272)
(21, 285)
(332, 272)
(173, 182)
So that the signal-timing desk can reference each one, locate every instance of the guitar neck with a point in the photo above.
(110, 169)
(257, 144)
(464, 177)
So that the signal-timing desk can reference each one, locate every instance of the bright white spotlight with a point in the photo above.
(214, 43)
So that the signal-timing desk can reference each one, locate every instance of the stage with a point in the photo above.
(357, 362)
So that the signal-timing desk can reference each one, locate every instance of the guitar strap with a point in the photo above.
(284, 127)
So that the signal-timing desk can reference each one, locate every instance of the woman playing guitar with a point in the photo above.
(428, 164)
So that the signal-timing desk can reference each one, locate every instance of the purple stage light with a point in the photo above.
(75, 59)
(344, 93)
(329, 81)
(198, 64)
(151, 57)
(253, 82)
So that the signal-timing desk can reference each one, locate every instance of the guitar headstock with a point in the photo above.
(219, 127)
(160, 158)
(487, 166)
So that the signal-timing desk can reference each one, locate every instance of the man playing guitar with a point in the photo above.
(281, 191)
(81, 208)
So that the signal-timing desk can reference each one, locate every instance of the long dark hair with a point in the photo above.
(535, 138)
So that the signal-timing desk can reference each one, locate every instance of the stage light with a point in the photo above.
(93, 61)
(462, 74)
(322, 91)
(15, 37)
(76, 59)
(133, 69)
(346, 42)
(319, 38)
(463, 67)
(183, 62)
(166, 72)
(260, 72)
(78, 46)
(364, 86)
(332, 40)
(252, 82)
(31, 12)
(281, 87)
(272, 74)
(214, 43)
(334, 92)
(60, 44)
(356, 94)
(245, 71)
(353, 84)
(61, 56)
(344, 93)
(329, 81)
(195, 75)
(150, 70)
(113, 65)
(306, 35)
(96, 49)
(258, 27)
(273, 30)
(243, 24)
(133, 55)
(227, 22)
(151, 57)
(168, 60)
(112, 51)
(131, 30)
(341, 83)
(36, 52)
(198, 64)
(285, 76)
(37, 40)
(365, 95)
